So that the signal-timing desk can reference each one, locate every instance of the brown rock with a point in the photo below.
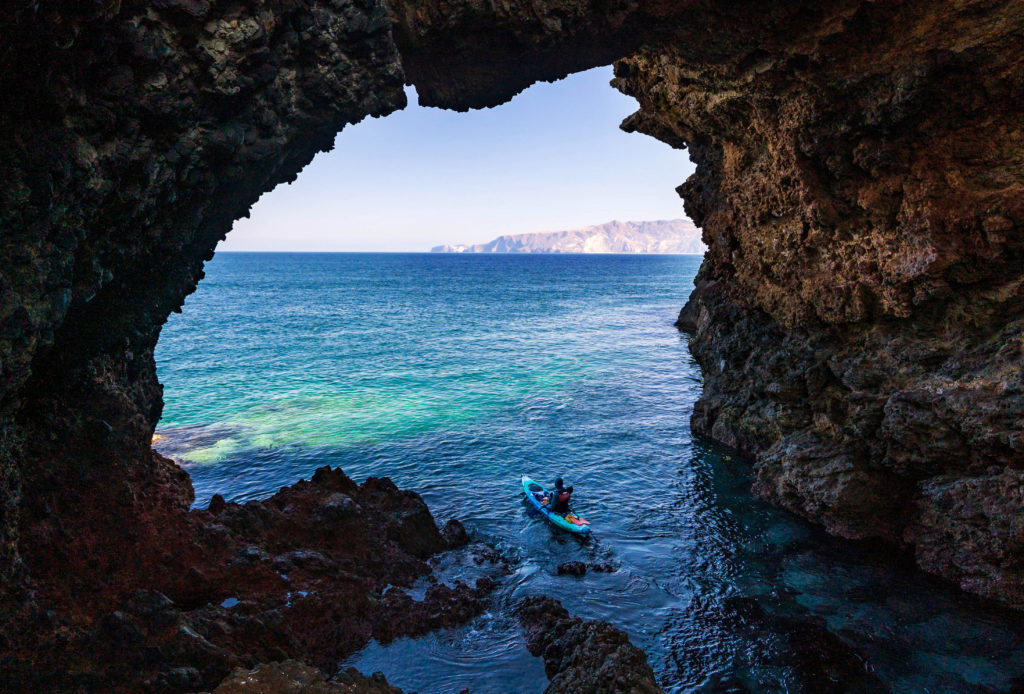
(859, 317)
(572, 568)
(454, 534)
(583, 656)
(859, 314)
(293, 677)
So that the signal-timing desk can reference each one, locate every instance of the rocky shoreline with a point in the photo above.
(312, 573)
(271, 595)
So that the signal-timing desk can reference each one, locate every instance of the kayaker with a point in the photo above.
(559, 502)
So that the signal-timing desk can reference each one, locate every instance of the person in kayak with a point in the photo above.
(559, 502)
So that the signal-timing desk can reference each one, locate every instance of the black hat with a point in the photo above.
(559, 483)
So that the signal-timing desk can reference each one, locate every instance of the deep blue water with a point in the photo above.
(454, 375)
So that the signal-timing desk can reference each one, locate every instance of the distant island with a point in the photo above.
(662, 236)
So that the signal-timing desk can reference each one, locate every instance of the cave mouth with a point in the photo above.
(551, 158)
(858, 317)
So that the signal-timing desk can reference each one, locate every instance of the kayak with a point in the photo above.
(534, 490)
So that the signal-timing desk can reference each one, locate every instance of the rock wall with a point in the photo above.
(134, 135)
(859, 183)
(859, 317)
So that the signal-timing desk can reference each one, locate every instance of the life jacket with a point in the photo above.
(560, 503)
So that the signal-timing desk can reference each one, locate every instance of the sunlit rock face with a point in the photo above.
(859, 184)
(860, 314)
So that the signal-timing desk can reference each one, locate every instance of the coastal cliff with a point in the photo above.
(860, 185)
(859, 317)
(662, 236)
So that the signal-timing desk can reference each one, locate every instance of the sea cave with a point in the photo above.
(858, 319)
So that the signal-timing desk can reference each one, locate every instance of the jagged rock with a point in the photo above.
(581, 656)
(572, 568)
(859, 316)
(579, 568)
(454, 533)
(293, 677)
(442, 606)
(268, 580)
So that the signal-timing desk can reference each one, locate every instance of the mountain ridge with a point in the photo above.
(663, 236)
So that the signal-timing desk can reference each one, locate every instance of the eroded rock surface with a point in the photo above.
(313, 573)
(579, 568)
(135, 133)
(859, 317)
(583, 656)
(293, 677)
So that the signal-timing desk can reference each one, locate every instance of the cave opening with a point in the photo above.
(858, 322)
(551, 159)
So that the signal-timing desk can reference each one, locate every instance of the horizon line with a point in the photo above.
(447, 253)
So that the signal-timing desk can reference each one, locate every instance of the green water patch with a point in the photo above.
(411, 405)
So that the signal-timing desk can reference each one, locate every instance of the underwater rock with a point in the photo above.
(820, 660)
(583, 656)
(579, 568)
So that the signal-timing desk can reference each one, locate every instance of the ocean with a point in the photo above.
(454, 375)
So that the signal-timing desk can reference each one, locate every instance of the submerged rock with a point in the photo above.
(579, 568)
(579, 656)
(820, 661)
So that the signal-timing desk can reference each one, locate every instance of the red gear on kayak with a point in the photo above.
(561, 497)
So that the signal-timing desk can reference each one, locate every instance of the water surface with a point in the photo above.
(454, 375)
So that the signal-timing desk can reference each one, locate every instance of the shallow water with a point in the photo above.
(454, 375)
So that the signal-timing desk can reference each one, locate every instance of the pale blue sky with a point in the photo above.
(552, 158)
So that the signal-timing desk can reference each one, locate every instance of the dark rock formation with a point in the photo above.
(572, 568)
(860, 314)
(455, 534)
(579, 568)
(581, 656)
(134, 134)
(314, 572)
(293, 677)
(858, 318)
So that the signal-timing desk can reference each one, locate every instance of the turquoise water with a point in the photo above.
(454, 375)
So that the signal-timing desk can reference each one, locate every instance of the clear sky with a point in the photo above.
(552, 158)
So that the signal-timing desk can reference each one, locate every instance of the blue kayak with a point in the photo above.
(534, 492)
